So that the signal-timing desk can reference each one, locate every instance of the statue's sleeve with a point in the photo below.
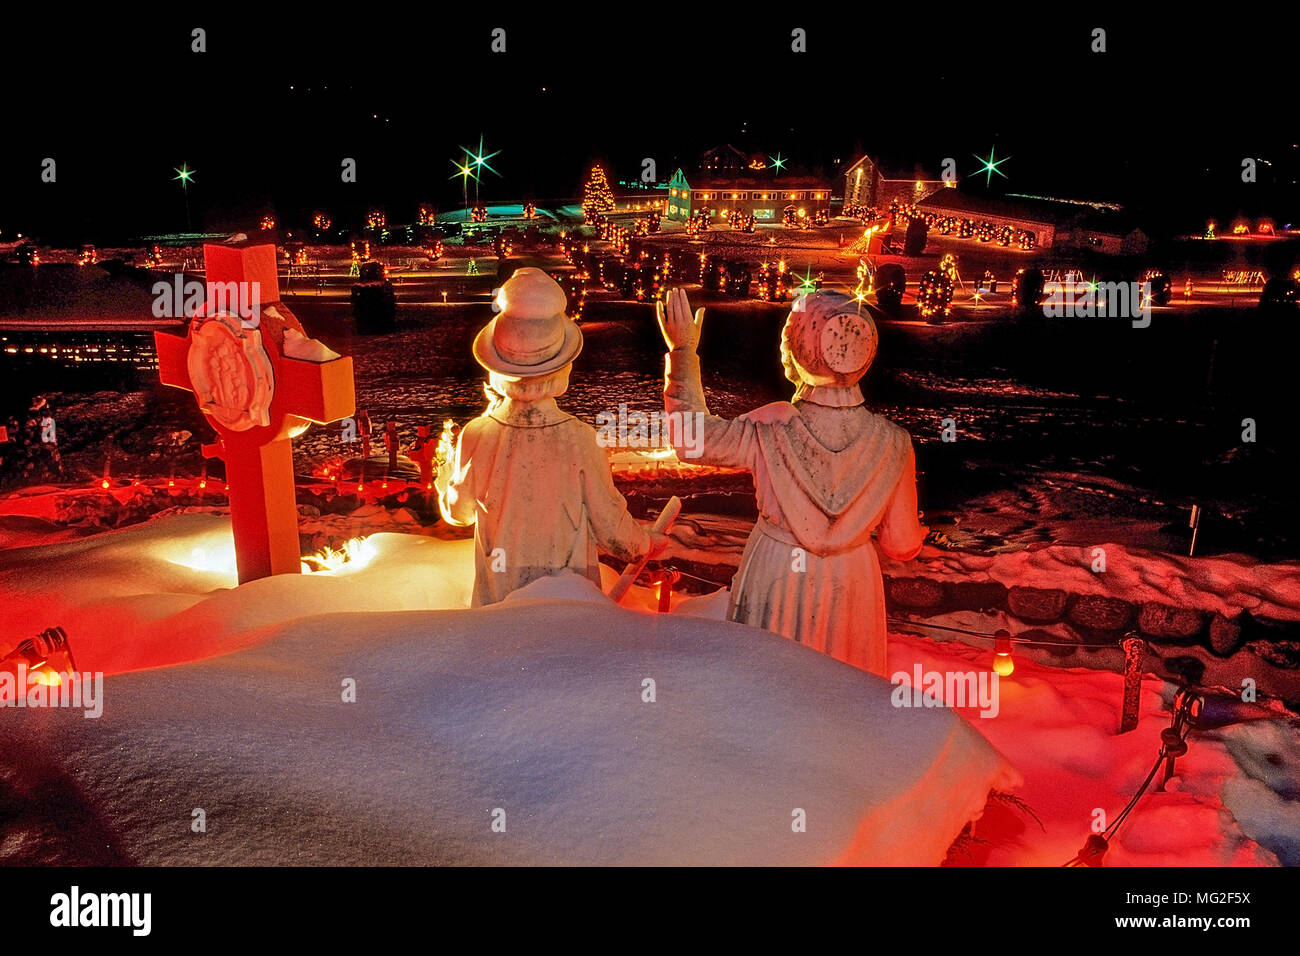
(901, 532)
(696, 435)
(616, 532)
(458, 501)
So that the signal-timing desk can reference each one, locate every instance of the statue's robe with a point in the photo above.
(828, 474)
(535, 484)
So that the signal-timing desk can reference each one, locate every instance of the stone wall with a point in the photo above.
(1186, 645)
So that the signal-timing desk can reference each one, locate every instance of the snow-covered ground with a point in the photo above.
(535, 708)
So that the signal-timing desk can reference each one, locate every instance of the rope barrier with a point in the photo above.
(1173, 744)
(992, 637)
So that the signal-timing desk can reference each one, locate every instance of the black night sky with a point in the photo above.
(1159, 122)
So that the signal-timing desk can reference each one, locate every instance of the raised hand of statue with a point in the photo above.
(680, 329)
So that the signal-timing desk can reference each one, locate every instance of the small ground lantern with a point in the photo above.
(47, 651)
(261, 382)
(1003, 665)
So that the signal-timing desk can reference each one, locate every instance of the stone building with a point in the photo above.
(867, 183)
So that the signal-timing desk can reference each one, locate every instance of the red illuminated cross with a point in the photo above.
(257, 398)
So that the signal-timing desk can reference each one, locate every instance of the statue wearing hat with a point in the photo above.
(529, 476)
(828, 474)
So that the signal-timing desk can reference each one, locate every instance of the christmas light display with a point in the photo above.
(773, 282)
(376, 220)
(480, 213)
(1029, 283)
(865, 276)
(1157, 288)
(268, 222)
(597, 197)
(808, 283)
(530, 210)
(988, 167)
(575, 291)
(427, 215)
(934, 296)
(321, 221)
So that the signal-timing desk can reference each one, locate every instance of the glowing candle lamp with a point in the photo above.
(1003, 665)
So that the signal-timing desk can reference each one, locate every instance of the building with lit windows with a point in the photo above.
(1068, 223)
(866, 183)
(766, 197)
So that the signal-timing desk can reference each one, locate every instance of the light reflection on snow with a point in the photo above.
(216, 559)
(355, 554)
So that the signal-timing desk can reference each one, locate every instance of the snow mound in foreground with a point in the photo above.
(533, 712)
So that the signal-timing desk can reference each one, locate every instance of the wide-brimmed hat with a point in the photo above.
(531, 336)
(831, 337)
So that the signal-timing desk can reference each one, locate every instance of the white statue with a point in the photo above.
(827, 473)
(529, 476)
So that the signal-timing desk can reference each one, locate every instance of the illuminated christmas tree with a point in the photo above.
(935, 294)
(597, 197)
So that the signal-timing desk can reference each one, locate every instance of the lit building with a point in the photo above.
(866, 183)
(1091, 226)
(765, 197)
(724, 160)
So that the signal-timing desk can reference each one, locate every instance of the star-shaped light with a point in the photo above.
(184, 174)
(990, 167)
(479, 159)
(778, 162)
(464, 170)
(807, 283)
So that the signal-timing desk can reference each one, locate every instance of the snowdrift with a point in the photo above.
(533, 713)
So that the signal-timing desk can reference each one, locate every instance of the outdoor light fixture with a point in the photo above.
(48, 651)
(1003, 665)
